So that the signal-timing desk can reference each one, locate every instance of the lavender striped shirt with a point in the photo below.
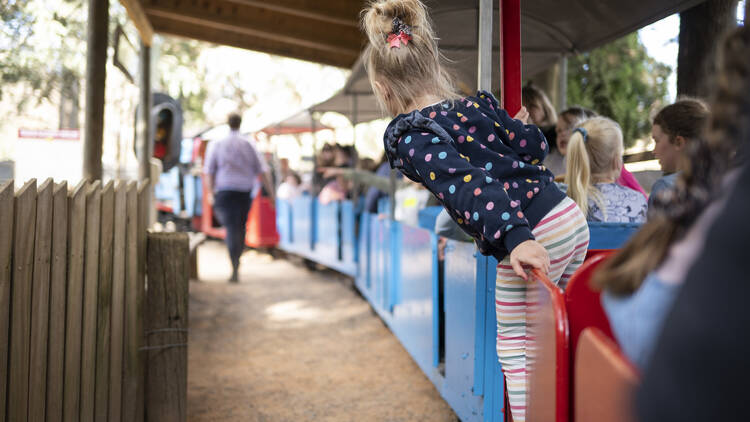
(234, 163)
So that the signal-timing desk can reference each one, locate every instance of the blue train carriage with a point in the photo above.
(442, 310)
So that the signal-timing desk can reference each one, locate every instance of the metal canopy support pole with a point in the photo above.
(96, 76)
(562, 100)
(316, 189)
(510, 55)
(484, 71)
(145, 147)
(355, 118)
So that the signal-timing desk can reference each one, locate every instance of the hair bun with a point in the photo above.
(378, 19)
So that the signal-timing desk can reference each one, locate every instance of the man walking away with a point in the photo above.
(232, 169)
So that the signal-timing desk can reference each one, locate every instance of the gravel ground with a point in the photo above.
(289, 344)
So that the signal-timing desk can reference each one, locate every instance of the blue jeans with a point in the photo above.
(231, 208)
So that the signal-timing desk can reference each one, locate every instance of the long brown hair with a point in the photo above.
(709, 158)
(412, 70)
(531, 95)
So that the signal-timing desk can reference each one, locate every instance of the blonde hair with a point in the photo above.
(533, 95)
(412, 70)
(591, 157)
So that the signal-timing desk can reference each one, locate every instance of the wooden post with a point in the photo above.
(144, 191)
(145, 148)
(166, 326)
(104, 304)
(484, 27)
(40, 303)
(145, 137)
(133, 324)
(57, 300)
(118, 291)
(74, 306)
(6, 250)
(23, 260)
(510, 55)
(90, 296)
(96, 76)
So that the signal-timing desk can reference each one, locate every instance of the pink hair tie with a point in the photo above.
(401, 33)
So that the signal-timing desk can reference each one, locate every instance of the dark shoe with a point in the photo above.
(234, 278)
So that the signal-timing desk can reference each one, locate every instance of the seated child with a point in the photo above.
(568, 120)
(674, 127)
(643, 280)
(594, 162)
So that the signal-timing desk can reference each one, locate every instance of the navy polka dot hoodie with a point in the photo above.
(483, 166)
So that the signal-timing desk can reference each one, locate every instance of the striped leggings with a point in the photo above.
(565, 235)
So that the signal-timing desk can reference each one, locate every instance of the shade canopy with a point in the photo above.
(302, 122)
(549, 30)
(327, 32)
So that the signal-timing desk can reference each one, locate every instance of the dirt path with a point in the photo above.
(287, 344)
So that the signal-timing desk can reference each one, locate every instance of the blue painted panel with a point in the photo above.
(348, 239)
(437, 307)
(372, 238)
(394, 272)
(302, 229)
(283, 223)
(412, 299)
(427, 217)
(494, 384)
(383, 269)
(610, 235)
(363, 263)
(327, 233)
(167, 189)
(480, 339)
(460, 322)
(193, 193)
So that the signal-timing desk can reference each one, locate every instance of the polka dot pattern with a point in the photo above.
(484, 166)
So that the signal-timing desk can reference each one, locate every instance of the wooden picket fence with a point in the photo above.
(72, 286)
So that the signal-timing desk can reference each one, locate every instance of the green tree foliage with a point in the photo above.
(40, 45)
(621, 81)
(181, 77)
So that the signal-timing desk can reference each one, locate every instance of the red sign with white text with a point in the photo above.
(61, 134)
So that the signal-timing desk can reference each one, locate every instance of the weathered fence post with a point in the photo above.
(20, 321)
(144, 192)
(166, 326)
(57, 302)
(90, 298)
(118, 304)
(6, 250)
(40, 303)
(133, 324)
(74, 305)
(104, 304)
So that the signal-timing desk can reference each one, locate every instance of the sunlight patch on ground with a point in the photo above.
(299, 313)
(292, 310)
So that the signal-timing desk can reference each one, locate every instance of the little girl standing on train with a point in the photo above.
(481, 164)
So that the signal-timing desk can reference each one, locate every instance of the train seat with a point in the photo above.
(582, 301)
(547, 352)
(584, 309)
(604, 380)
(610, 235)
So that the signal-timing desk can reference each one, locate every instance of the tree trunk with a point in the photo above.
(701, 29)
